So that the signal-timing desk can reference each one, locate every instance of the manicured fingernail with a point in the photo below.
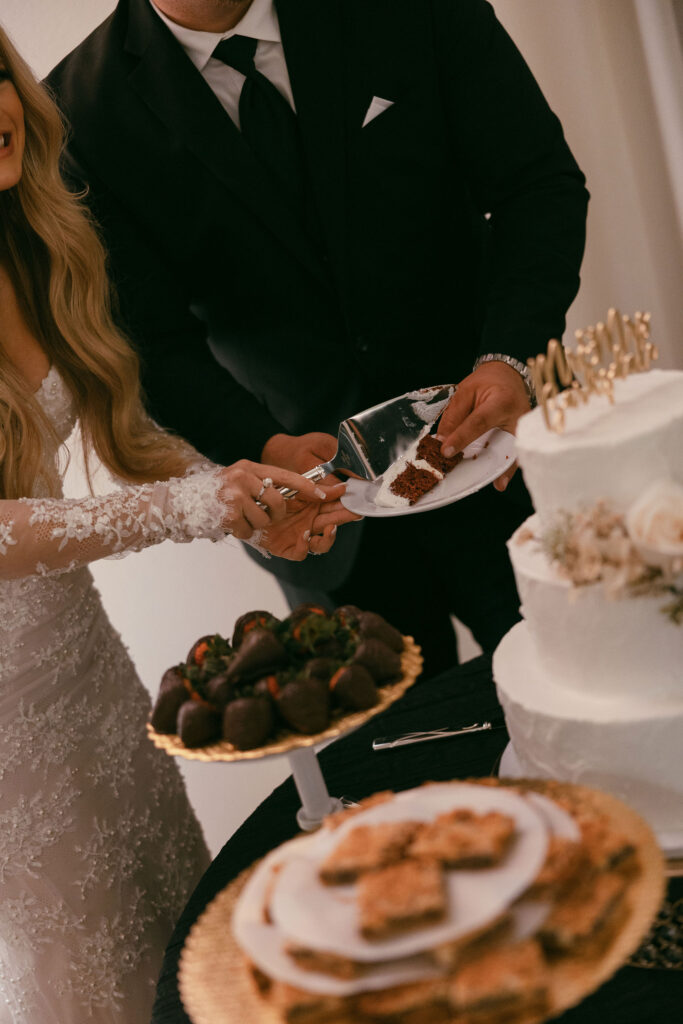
(334, 529)
(319, 494)
(449, 452)
(307, 534)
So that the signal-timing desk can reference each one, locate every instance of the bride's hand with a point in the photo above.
(247, 486)
(318, 520)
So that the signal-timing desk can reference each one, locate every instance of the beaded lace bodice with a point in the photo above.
(98, 846)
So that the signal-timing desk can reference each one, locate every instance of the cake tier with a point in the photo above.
(629, 747)
(611, 451)
(588, 643)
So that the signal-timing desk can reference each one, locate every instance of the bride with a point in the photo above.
(99, 848)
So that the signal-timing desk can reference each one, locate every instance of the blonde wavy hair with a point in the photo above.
(56, 262)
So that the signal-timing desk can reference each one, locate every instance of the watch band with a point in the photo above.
(520, 367)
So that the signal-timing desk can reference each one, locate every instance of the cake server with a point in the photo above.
(405, 739)
(369, 442)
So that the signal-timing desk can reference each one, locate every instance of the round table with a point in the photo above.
(351, 768)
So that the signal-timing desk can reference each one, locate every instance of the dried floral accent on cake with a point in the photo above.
(636, 554)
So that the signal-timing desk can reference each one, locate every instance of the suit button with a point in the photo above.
(362, 343)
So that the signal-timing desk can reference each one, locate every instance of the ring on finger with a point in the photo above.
(310, 551)
(265, 484)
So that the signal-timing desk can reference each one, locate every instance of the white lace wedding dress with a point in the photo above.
(99, 848)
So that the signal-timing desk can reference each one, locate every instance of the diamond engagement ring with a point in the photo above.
(265, 484)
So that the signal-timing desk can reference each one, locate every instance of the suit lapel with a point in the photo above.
(178, 95)
(313, 40)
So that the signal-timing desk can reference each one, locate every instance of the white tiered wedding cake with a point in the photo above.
(591, 681)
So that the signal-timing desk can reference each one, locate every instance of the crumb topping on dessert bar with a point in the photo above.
(512, 977)
(366, 848)
(400, 896)
(461, 838)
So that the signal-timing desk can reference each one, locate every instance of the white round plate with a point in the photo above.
(324, 917)
(484, 460)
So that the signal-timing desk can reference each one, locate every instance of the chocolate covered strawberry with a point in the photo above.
(381, 662)
(220, 689)
(259, 653)
(370, 624)
(303, 703)
(252, 620)
(173, 692)
(198, 724)
(248, 721)
(353, 688)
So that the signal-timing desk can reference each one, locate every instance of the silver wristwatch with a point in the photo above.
(520, 367)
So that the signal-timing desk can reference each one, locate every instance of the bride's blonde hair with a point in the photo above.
(51, 250)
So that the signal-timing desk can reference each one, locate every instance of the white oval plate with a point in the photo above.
(484, 460)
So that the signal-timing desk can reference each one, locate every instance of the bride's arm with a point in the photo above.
(46, 535)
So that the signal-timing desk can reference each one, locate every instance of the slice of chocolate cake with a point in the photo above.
(413, 475)
(429, 449)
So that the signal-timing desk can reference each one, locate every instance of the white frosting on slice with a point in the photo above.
(612, 451)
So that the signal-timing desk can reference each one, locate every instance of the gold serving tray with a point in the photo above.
(284, 742)
(216, 987)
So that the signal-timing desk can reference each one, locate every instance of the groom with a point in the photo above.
(312, 206)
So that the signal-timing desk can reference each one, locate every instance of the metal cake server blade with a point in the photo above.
(369, 442)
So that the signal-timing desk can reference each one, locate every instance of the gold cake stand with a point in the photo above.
(216, 986)
(316, 802)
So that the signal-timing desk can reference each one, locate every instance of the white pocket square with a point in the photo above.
(377, 106)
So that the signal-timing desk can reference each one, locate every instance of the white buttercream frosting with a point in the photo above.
(630, 747)
(590, 644)
(607, 451)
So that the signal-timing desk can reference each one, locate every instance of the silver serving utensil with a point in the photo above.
(369, 442)
(388, 742)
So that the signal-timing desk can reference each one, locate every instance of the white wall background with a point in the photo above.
(613, 72)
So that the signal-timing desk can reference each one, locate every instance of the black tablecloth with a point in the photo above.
(351, 768)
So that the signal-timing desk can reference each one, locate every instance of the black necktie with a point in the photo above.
(268, 123)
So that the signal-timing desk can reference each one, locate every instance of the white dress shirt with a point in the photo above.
(259, 22)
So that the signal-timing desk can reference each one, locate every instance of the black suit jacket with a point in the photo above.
(451, 225)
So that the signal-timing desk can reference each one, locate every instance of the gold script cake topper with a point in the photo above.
(603, 352)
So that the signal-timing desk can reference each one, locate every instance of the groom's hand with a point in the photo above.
(493, 395)
(301, 452)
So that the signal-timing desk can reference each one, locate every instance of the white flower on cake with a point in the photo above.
(595, 545)
(655, 526)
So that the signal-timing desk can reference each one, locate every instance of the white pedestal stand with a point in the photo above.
(316, 802)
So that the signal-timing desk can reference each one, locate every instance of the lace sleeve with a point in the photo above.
(46, 535)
